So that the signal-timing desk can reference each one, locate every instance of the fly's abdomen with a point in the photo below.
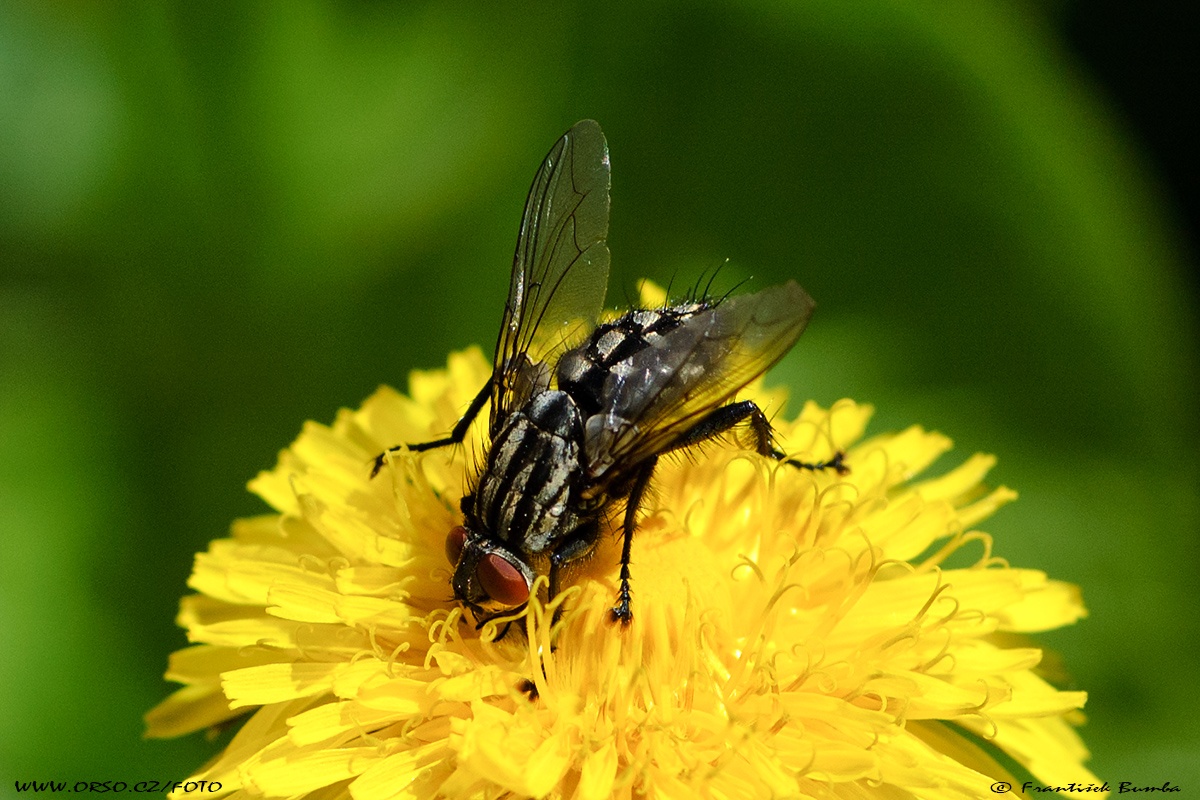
(534, 464)
(582, 372)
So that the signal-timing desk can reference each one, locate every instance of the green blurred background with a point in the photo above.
(218, 221)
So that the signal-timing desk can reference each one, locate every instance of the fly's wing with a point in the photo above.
(661, 391)
(560, 269)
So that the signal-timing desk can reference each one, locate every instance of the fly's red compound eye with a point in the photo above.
(456, 540)
(503, 582)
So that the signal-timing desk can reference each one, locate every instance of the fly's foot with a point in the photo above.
(377, 465)
(528, 688)
(837, 463)
(621, 612)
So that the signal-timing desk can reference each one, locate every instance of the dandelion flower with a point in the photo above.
(795, 634)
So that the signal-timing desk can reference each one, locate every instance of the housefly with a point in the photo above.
(582, 410)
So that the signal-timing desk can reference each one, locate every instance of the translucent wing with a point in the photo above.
(560, 269)
(661, 391)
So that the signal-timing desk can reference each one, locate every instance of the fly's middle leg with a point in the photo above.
(621, 612)
(713, 424)
(456, 436)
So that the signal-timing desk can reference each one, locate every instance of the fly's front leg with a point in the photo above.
(578, 545)
(621, 612)
(456, 436)
(722, 419)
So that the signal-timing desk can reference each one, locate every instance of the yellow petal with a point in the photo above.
(794, 633)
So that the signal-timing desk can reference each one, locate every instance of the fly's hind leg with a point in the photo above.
(456, 436)
(722, 419)
(714, 423)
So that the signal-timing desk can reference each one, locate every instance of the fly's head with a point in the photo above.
(488, 578)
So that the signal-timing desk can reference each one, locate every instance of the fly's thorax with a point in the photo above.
(604, 435)
(523, 498)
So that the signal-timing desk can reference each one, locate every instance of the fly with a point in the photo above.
(580, 411)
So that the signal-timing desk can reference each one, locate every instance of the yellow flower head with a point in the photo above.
(794, 634)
